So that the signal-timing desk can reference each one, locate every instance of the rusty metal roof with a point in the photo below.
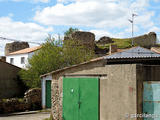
(135, 52)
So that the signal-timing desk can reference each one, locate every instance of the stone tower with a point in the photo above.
(85, 38)
(15, 46)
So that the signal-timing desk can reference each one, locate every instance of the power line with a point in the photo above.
(9, 39)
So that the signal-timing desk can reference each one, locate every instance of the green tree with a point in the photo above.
(70, 31)
(74, 53)
(53, 56)
(45, 60)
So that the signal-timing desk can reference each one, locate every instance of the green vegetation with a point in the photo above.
(47, 119)
(70, 31)
(121, 43)
(45, 110)
(21, 100)
(52, 56)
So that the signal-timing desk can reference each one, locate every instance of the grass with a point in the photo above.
(20, 100)
(47, 119)
(121, 43)
(45, 110)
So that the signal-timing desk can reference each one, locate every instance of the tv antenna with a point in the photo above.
(132, 22)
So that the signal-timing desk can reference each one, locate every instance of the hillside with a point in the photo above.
(121, 43)
(147, 40)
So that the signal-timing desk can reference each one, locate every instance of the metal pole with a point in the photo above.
(132, 22)
(132, 28)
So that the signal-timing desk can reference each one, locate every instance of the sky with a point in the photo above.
(33, 20)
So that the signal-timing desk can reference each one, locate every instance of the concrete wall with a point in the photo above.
(10, 84)
(117, 90)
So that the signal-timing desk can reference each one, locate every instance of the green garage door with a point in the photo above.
(48, 94)
(80, 98)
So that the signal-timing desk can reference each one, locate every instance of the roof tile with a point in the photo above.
(26, 50)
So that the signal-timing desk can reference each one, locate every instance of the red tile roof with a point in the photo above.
(156, 49)
(26, 50)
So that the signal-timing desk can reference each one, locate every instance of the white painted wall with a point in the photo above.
(43, 87)
(17, 59)
(30, 54)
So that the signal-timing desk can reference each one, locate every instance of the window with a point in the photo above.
(12, 60)
(22, 60)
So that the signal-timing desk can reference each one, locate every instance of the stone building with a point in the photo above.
(107, 88)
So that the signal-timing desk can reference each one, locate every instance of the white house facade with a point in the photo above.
(20, 58)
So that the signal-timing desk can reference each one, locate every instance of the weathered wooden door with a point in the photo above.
(151, 100)
(48, 94)
(80, 98)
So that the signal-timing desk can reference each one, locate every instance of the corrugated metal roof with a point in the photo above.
(136, 52)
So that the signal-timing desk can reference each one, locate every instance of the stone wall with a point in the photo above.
(31, 101)
(104, 40)
(147, 40)
(15, 46)
(85, 38)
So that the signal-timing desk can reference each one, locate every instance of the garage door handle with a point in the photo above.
(79, 104)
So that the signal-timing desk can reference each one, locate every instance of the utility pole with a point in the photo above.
(132, 22)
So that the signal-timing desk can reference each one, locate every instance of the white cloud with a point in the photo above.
(155, 29)
(156, 0)
(95, 13)
(86, 13)
(44, 1)
(65, 1)
(101, 33)
(32, 1)
(22, 31)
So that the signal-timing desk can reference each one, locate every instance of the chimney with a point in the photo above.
(112, 49)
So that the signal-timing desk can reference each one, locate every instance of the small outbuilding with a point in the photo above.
(114, 87)
(46, 91)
